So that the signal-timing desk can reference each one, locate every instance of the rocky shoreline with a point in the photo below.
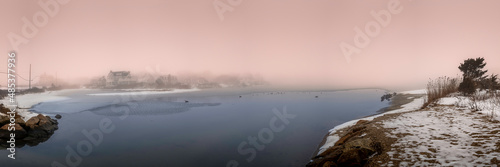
(358, 144)
(32, 132)
(446, 133)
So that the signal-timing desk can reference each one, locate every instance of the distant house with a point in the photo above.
(119, 78)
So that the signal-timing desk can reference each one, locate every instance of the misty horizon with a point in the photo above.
(295, 44)
(282, 83)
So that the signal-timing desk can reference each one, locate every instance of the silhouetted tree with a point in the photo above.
(490, 83)
(472, 73)
(494, 82)
(473, 68)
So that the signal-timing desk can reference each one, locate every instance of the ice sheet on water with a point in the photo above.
(148, 108)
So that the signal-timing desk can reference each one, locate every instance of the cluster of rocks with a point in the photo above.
(36, 130)
(351, 150)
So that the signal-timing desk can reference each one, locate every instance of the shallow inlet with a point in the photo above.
(163, 130)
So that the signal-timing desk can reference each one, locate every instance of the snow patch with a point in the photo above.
(448, 137)
(448, 101)
(26, 101)
(489, 107)
(330, 141)
(25, 114)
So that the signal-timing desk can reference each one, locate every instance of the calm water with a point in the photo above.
(164, 130)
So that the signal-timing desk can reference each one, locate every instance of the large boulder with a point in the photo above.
(19, 132)
(332, 153)
(327, 158)
(20, 121)
(363, 143)
(352, 149)
(4, 120)
(41, 122)
(36, 130)
(356, 152)
(32, 123)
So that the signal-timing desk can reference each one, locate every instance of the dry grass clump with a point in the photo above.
(439, 88)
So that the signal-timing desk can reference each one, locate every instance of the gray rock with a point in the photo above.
(4, 120)
(356, 152)
(20, 121)
(19, 131)
(32, 122)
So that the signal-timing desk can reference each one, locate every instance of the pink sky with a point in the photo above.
(292, 42)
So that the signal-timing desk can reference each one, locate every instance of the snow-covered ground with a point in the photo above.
(333, 138)
(26, 101)
(490, 106)
(29, 100)
(449, 135)
(144, 92)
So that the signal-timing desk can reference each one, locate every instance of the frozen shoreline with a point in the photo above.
(26, 101)
(333, 138)
(452, 131)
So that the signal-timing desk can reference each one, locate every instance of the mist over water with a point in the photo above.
(165, 130)
(201, 82)
(289, 44)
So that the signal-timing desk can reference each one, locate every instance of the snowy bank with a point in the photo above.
(333, 138)
(452, 131)
(29, 100)
(26, 101)
(446, 134)
(489, 106)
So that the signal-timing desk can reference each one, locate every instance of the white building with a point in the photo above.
(119, 78)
